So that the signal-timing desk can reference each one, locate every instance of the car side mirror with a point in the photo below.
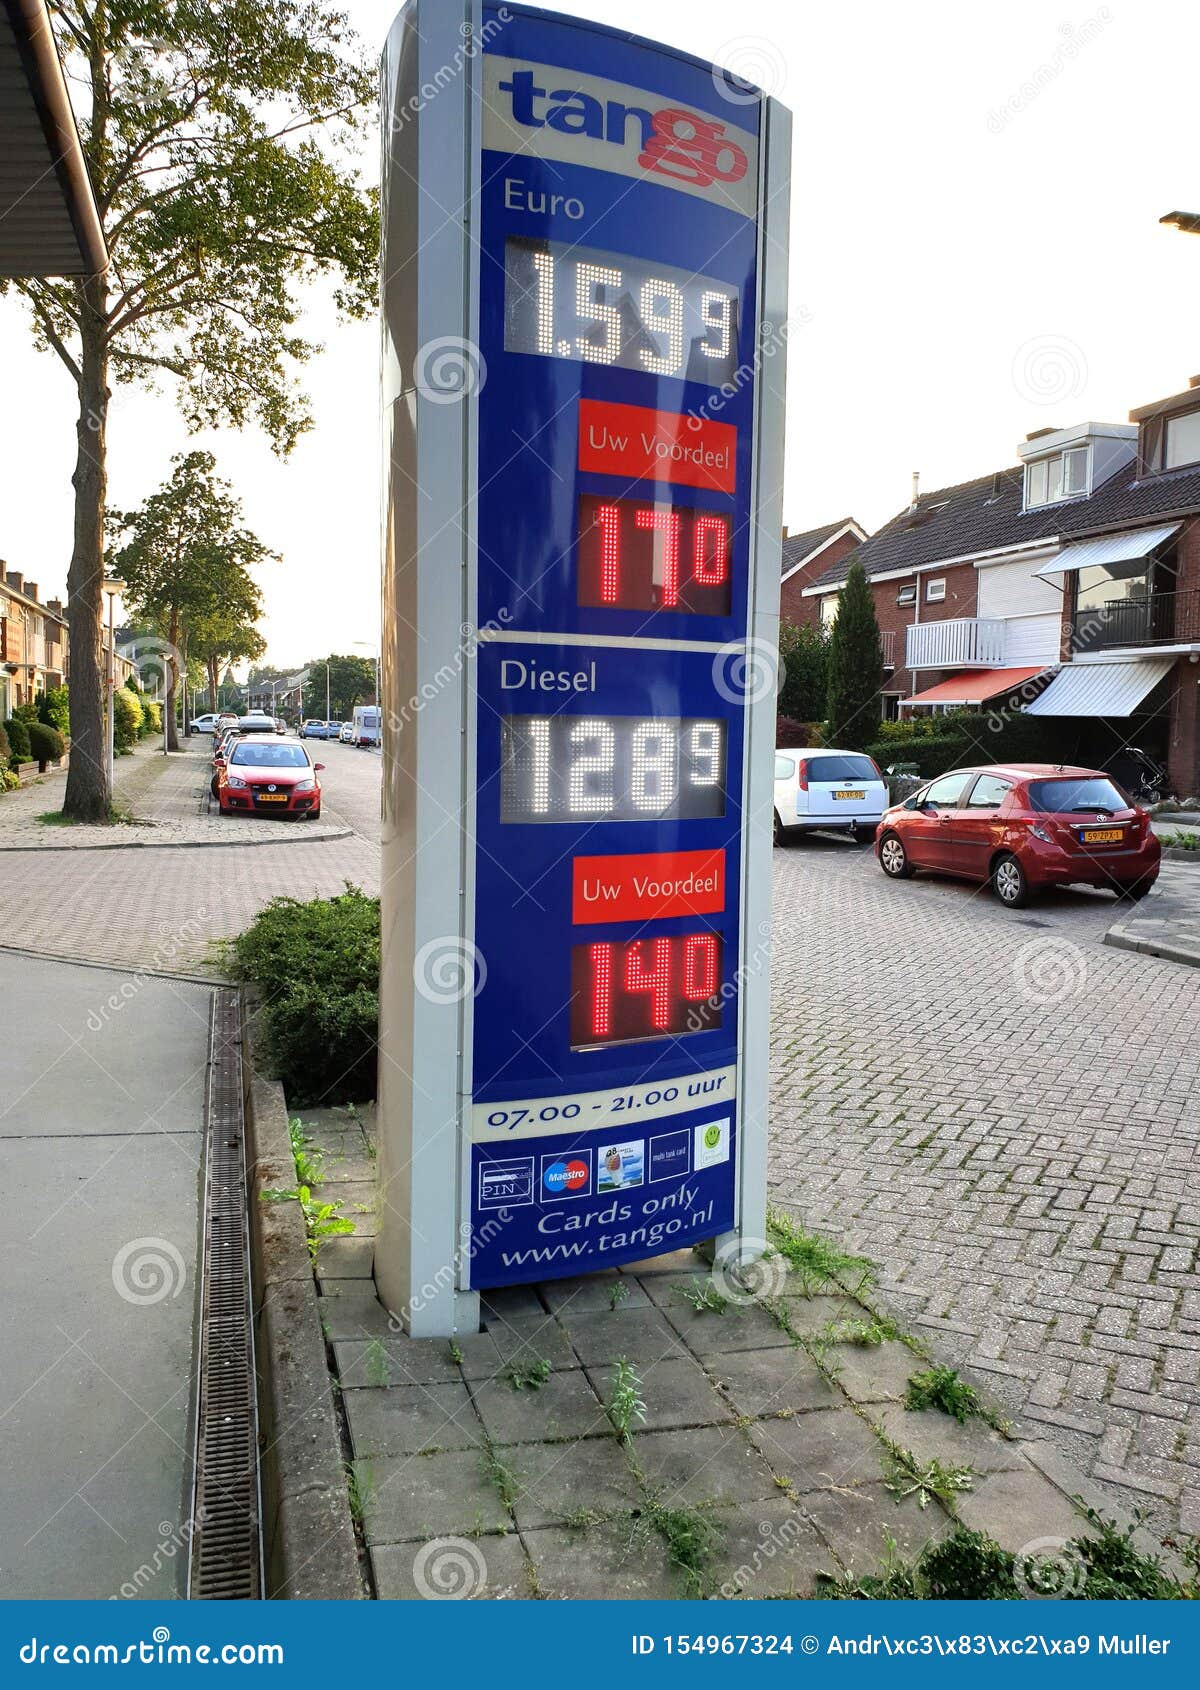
(911, 804)
(219, 762)
(317, 767)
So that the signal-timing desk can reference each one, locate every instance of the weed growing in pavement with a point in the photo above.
(618, 1292)
(625, 1407)
(376, 1365)
(867, 1332)
(455, 1353)
(704, 1296)
(941, 1388)
(308, 1157)
(580, 1519)
(361, 1485)
(321, 1220)
(498, 1474)
(690, 1534)
(816, 1262)
(925, 1480)
(533, 1374)
(1183, 839)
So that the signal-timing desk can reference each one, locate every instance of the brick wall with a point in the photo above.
(962, 598)
(793, 607)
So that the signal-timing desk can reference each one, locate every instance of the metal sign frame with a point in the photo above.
(448, 632)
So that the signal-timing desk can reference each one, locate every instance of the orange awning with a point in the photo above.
(975, 686)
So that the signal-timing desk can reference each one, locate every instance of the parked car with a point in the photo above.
(1020, 827)
(367, 725)
(347, 734)
(227, 719)
(266, 777)
(256, 722)
(205, 724)
(312, 729)
(827, 789)
(280, 725)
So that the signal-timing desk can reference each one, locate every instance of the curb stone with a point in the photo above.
(310, 1551)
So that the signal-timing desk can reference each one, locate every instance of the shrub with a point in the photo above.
(26, 712)
(151, 718)
(316, 965)
(788, 731)
(804, 670)
(854, 666)
(5, 747)
(54, 709)
(931, 754)
(46, 744)
(8, 781)
(127, 718)
(16, 731)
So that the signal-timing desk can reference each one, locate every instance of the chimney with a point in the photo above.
(15, 580)
(31, 588)
(54, 606)
(785, 531)
(915, 489)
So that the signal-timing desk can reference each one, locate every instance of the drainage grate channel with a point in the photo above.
(226, 1547)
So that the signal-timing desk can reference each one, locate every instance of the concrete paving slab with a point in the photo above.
(676, 1391)
(494, 1568)
(527, 1338)
(874, 1372)
(738, 1328)
(347, 1312)
(416, 1497)
(766, 1382)
(509, 1302)
(1018, 1507)
(614, 1560)
(707, 1464)
(929, 1434)
(406, 1419)
(359, 1362)
(767, 1549)
(856, 1522)
(598, 1291)
(641, 1335)
(830, 1446)
(346, 1258)
(566, 1406)
(555, 1481)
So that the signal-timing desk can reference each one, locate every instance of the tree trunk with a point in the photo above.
(88, 797)
(214, 666)
(173, 667)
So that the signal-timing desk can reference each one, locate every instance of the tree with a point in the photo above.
(804, 659)
(186, 565)
(351, 680)
(220, 640)
(855, 666)
(199, 123)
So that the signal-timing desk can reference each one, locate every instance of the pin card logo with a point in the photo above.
(542, 111)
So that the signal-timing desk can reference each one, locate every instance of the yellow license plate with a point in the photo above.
(849, 795)
(1103, 835)
(272, 797)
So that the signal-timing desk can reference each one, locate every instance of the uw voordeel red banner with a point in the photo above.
(641, 443)
(648, 886)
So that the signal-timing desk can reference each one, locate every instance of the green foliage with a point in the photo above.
(16, 734)
(938, 743)
(351, 680)
(317, 968)
(618, 1293)
(54, 709)
(1182, 839)
(815, 1261)
(855, 666)
(704, 1296)
(528, 1374)
(376, 1365)
(941, 1388)
(321, 1220)
(151, 718)
(804, 671)
(127, 718)
(308, 1157)
(925, 1480)
(500, 1476)
(27, 712)
(867, 1332)
(625, 1407)
(691, 1536)
(8, 781)
(5, 746)
(46, 744)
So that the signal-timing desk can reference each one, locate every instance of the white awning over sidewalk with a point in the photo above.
(1108, 548)
(1100, 689)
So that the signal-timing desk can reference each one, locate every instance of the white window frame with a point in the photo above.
(906, 596)
(1060, 458)
(1166, 442)
(938, 597)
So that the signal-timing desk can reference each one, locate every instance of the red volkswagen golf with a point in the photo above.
(271, 777)
(1022, 826)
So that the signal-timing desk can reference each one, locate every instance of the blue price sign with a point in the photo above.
(618, 574)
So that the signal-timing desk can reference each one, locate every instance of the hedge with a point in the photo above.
(54, 709)
(5, 747)
(151, 718)
(16, 732)
(936, 744)
(127, 718)
(46, 744)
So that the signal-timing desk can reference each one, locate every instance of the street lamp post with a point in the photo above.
(112, 587)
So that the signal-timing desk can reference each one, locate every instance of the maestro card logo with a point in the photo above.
(569, 1175)
(544, 111)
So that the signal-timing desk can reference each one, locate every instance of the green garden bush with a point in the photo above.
(16, 732)
(55, 710)
(46, 744)
(151, 718)
(316, 966)
(938, 743)
(5, 747)
(127, 718)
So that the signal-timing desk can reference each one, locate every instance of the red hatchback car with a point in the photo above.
(1022, 826)
(270, 777)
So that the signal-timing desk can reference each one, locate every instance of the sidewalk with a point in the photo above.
(168, 797)
(1167, 923)
(101, 1147)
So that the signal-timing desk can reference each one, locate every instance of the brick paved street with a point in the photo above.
(1002, 1111)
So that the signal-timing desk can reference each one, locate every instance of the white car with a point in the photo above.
(206, 724)
(347, 734)
(828, 789)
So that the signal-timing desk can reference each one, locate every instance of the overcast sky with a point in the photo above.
(975, 252)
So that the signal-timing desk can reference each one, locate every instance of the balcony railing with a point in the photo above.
(962, 642)
(1158, 619)
(888, 636)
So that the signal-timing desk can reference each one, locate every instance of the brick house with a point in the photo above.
(33, 642)
(809, 555)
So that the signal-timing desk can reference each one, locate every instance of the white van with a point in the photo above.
(828, 789)
(367, 725)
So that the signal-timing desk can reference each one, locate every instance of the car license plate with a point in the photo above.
(272, 797)
(1103, 835)
(849, 795)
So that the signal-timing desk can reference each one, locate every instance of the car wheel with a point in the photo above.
(214, 788)
(1135, 889)
(893, 858)
(315, 815)
(778, 831)
(1010, 883)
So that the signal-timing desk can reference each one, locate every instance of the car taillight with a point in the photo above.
(1039, 832)
(802, 775)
